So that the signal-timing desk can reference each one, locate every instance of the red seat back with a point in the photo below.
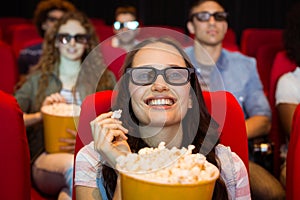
(92, 106)
(293, 162)
(8, 68)
(97, 21)
(280, 66)
(265, 56)
(14, 151)
(7, 22)
(103, 31)
(22, 34)
(253, 38)
(225, 109)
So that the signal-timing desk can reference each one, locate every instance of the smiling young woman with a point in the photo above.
(161, 100)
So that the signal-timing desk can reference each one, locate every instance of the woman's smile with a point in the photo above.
(160, 101)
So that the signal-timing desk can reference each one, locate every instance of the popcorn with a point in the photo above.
(62, 109)
(117, 114)
(171, 166)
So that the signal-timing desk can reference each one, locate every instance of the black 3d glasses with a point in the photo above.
(205, 16)
(65, 38)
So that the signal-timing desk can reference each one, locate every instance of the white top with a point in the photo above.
(288, 88)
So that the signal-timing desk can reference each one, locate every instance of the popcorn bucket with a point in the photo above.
(57, 118)
(136, 189)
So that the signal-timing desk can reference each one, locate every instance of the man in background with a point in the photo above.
(220, 69)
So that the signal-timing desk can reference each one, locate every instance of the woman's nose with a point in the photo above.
(72, 41)
(159, 84)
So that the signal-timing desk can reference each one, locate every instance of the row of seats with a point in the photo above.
(262, 44)
(8, 68)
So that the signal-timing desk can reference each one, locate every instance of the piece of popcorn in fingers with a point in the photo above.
(116, 114)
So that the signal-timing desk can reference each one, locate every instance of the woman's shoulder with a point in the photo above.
(233, 172)
(88, 154)
(231, 164)
(87, 166)
(222, 149)
(224, 152)
(35, 76)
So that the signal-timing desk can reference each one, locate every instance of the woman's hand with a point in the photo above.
(109, 137)
(54, 98)
(70, 142)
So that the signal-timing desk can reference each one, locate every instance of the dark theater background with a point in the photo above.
(243, 13)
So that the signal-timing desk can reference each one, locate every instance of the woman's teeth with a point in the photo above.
(160, 102)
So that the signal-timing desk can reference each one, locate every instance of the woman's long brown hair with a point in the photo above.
(206, 123)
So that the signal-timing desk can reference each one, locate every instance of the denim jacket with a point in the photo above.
(236, 73)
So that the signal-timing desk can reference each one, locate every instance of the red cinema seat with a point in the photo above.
(265, 56)
(14, 151)
(97, 21)
(103, 31)
(292, 161)
(92, 106)
(8, 68)
(253, 38)
(225, 109)
(280, 66)
(7, 22)
(22, 35)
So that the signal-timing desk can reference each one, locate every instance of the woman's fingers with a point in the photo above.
(54, 98)
(70, 141)
(103, 123)
(109, 136)
(103, 116)
(67, 148)
(72, 132)
(113, 127)
(122, 146)
(115, 135)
